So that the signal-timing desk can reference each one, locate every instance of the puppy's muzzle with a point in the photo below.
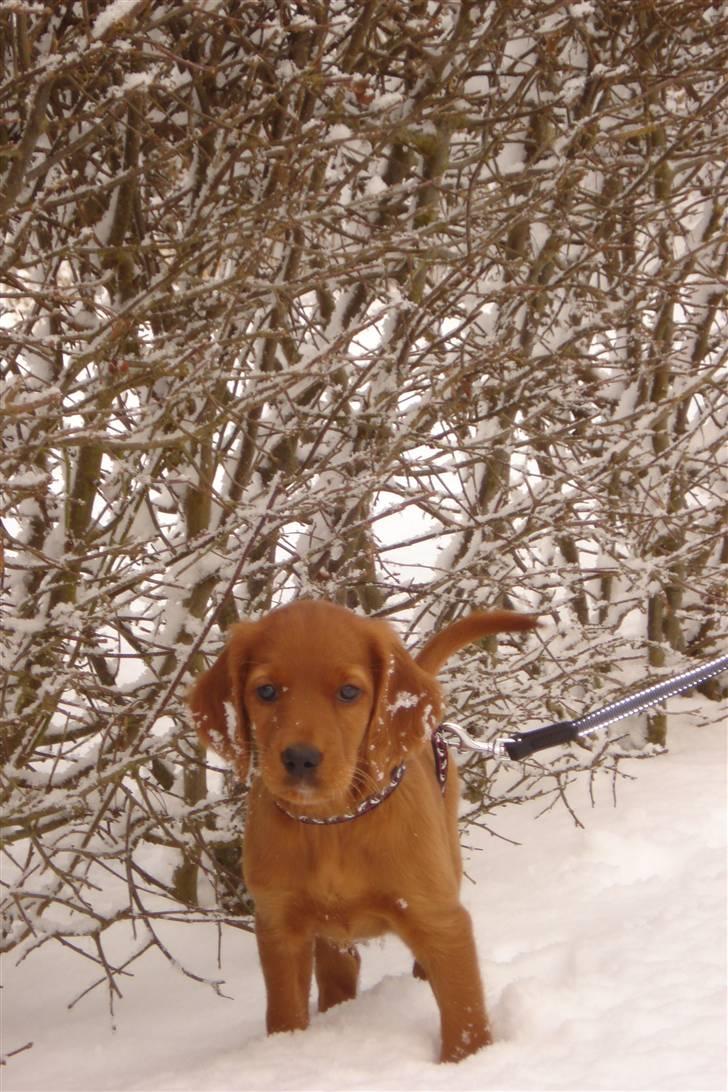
(301, 761)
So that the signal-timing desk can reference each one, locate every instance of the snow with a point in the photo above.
(602, 948)
(114, 13)
(403, 700)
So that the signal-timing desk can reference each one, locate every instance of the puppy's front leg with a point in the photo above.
(337, 973)
(444, 947)
(287, 962)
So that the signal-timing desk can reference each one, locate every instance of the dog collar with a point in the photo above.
(363, 808)
(439, 748)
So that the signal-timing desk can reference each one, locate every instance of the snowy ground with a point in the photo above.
(603, 951)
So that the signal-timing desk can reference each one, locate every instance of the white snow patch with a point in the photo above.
(403, 700)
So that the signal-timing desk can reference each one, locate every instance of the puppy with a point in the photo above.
(350, 833)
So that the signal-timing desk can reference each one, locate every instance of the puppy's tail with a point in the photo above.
(435, 652)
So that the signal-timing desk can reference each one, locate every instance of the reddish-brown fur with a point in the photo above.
(318, 889)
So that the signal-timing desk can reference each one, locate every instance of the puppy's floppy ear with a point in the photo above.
(221, 685)
(407, 706)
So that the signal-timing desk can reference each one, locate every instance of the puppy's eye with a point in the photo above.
(348, 693)
(267, 692)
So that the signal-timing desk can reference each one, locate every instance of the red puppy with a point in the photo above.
(349, 834)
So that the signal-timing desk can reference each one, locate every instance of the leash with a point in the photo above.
(522, 744)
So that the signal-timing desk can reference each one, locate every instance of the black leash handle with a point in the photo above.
(522, 744)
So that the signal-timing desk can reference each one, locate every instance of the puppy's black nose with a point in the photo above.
(301, 761)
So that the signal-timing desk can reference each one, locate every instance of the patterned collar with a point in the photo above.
(439, 749)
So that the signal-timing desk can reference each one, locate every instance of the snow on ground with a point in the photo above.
(603, 951)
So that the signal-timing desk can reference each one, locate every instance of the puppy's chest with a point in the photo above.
(337, 889)
(341, 915)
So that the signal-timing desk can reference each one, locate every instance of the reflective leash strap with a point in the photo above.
(522, 744)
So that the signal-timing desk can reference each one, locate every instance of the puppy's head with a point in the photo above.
(326, 701)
